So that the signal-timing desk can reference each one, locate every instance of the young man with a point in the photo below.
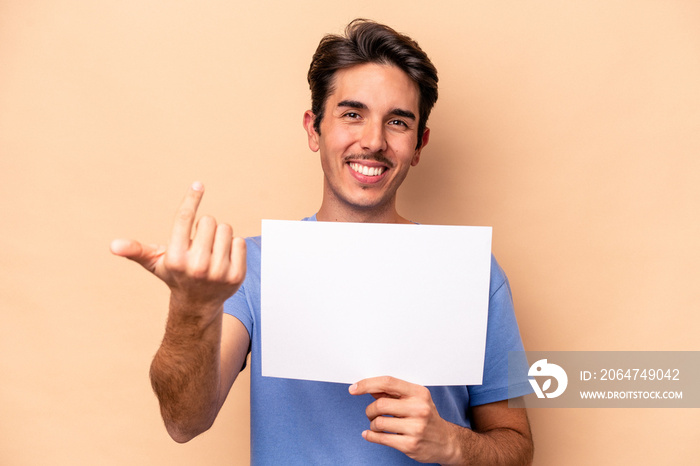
(372, 92)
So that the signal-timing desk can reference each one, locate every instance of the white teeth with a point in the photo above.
(365, 170)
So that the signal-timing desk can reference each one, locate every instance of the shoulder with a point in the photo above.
(253, 259)
(499, 280)
(254, 242)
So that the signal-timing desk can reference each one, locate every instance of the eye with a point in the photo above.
(398, 123)
(352, 115)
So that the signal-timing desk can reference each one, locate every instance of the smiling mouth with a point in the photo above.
(365, 170)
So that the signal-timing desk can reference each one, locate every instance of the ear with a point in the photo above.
(309, 119)
(424, 142)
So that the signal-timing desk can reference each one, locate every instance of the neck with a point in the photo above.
(340, 213)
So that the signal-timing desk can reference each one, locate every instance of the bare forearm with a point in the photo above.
(503, 446)
(202, 271)
(185, 372)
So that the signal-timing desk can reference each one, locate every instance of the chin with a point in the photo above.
(365, 204)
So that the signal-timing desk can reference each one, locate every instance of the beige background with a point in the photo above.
(573, 128)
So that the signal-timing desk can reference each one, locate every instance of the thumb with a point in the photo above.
(145, 254)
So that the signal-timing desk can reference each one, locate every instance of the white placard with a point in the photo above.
(345, 301)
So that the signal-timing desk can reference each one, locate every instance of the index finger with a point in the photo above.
(182, 226)
(385, 384)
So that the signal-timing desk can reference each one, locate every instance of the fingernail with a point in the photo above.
(197, 186)
(353, 387)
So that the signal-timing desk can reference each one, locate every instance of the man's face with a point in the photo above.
(368, 136)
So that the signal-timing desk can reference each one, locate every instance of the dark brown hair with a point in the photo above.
(370, 42)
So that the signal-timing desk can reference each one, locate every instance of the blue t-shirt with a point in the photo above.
(306, 422)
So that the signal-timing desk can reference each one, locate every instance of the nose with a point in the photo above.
(373, 137)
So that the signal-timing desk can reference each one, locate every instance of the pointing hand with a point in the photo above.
(208, 267)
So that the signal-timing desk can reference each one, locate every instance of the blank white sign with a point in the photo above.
(345, 301)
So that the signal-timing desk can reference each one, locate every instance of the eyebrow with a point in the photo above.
(403, 113)
(359, 105)
(352, 104)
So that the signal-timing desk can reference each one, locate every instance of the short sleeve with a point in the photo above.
(240, 305)
(502, 337)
